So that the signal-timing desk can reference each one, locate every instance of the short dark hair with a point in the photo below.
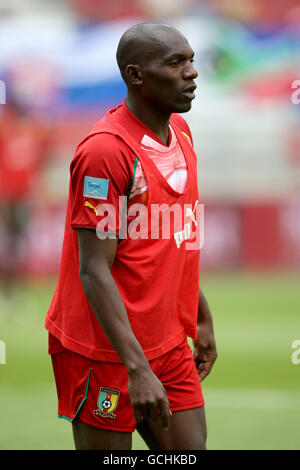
(138, 43)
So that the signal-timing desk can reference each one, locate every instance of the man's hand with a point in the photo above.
(205, 352)
(148, 397)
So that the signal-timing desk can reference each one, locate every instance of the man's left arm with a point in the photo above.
(205, 352)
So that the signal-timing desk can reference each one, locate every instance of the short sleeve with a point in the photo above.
(101, 174)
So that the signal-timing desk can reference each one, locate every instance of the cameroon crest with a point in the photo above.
(107, 402)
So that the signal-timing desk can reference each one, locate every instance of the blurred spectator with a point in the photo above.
(24, 143)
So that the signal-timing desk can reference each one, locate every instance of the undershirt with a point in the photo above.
(169, 159)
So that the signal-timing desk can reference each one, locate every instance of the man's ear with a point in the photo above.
(134, 75)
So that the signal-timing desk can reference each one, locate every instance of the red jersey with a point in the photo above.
(23, 146)
(156, 267)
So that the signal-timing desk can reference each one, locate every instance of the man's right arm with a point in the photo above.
(96, 257)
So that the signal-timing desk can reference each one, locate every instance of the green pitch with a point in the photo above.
(252, 395)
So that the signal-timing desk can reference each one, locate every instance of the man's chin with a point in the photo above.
(183, 108)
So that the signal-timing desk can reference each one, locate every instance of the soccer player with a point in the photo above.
(24, 148)
(127, 298)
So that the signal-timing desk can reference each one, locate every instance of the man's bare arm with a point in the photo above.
(205, 352)
(95, 259)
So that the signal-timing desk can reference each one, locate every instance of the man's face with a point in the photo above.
(168, 77)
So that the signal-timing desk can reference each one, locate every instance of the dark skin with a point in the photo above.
(156, 90)
(163, 85)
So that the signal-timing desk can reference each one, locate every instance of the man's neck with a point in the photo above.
(152, 118)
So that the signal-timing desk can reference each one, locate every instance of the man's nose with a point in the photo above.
(190, 72)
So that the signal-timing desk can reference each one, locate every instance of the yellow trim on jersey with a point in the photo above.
(186, 135)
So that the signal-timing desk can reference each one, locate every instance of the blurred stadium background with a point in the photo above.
(57, 61)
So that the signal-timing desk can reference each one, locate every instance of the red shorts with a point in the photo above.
(96, 393)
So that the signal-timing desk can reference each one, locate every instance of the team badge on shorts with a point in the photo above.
(107, 402)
